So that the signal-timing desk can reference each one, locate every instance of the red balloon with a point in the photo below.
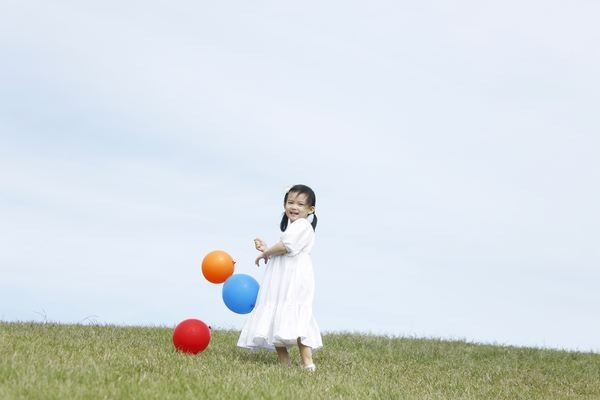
(191, 336)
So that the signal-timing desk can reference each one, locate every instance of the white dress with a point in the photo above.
(283, 311)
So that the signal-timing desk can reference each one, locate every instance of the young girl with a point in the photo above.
(283, 314)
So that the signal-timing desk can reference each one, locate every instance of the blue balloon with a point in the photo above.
(240, 292)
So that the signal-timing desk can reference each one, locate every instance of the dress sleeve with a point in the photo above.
(297, 236)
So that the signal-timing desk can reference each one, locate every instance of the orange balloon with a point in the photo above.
(217, 266)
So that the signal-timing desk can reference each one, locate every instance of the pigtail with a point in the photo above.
(314, 222)
(284, 223)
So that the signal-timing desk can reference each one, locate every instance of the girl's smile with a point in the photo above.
(297, 206)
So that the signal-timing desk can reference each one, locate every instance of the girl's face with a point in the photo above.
(297, 206)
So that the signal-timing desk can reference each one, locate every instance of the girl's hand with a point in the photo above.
(262, 256)
(260, 245)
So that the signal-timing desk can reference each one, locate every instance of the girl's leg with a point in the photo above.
(305, 354)
(282, 354)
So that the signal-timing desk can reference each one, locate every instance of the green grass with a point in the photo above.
(53, 361)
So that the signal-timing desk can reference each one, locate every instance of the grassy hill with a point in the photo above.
(53, 361)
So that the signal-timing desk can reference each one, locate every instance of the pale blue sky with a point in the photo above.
(452, 147)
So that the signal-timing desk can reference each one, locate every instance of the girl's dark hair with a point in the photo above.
(310, 197)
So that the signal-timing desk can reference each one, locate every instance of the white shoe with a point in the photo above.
(310, 367)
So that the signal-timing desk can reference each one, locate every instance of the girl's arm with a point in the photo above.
(275, 250)
(260, 245)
